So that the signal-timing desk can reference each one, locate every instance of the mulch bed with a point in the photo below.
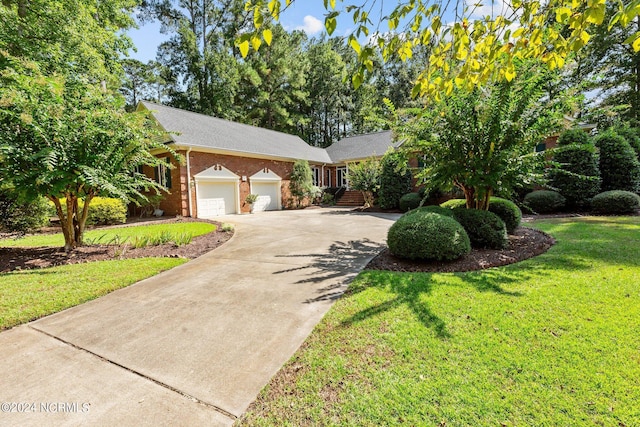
(523, 244)
(30, 258)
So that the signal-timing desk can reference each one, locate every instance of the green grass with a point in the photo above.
(551, 341)
(117, 235)
(31, 294)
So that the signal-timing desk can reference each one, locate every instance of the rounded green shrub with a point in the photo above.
(577, 176)
(485, 229)
(615, 202)
(410, 201)
(395, 180)
(508, 211)
(544, 201)
(21, 215)
(428, 236)
(573, 136)
(106, 211)
(619, 167)
(432, 208)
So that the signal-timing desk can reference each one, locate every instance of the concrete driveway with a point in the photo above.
(194, 345)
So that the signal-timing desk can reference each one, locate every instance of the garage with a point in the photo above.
(217, 191)
(266, 184)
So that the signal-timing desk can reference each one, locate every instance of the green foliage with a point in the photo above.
(619, 167)
(251, 198)
(428, 236)
(616, 202)
(410, 201)
(482, 141)
(66, 138)
(365, 177)
(485, 229)
(395, 180)
(69, 38)
(301, 182)
(508, 211)
(631, 134)
(544, 201)
(576, 174)
(106, 211)
(20, 215)
(454, 203)
(573, 136)
(433, 209)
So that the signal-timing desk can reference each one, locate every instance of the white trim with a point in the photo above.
(219, 173)
(268, 176)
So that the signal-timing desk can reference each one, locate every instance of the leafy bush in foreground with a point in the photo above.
(508, 211)
(616, 202)
(428, 236)
(485, 229)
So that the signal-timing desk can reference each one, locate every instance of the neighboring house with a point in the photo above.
(226, 161)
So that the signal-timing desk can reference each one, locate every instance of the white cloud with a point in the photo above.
(312, 25)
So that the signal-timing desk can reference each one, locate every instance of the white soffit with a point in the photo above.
(217, 173)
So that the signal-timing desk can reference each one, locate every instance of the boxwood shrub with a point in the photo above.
(508, 211)
(434, 209)
(410, 201)
(615, 202)
(428, 236)
(573, 136)
(485, 229)
(544, 201)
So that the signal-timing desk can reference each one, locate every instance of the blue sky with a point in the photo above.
(307, 15)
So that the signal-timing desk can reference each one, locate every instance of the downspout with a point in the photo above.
(189, 183)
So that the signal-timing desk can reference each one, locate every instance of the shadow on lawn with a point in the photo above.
(342, 262)
(409, 289)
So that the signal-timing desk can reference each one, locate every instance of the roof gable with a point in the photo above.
(362, 146)
(199, 130)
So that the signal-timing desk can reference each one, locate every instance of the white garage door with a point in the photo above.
(216, 198)
(267, 196)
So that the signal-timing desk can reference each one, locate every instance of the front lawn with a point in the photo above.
(551, 341)
(31, 294)
(114, 235)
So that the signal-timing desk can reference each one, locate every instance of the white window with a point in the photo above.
(163, 173)
(315, 173)
(341, 179)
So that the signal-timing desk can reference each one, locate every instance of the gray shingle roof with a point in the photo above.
(198, 130)
(362, 146)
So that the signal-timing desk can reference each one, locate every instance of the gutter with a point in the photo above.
(189, 183)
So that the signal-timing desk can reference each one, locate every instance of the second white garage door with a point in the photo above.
(216, 198)
(268, 193)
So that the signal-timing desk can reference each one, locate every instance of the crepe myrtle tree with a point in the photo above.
(70, 141)
(482, 141)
